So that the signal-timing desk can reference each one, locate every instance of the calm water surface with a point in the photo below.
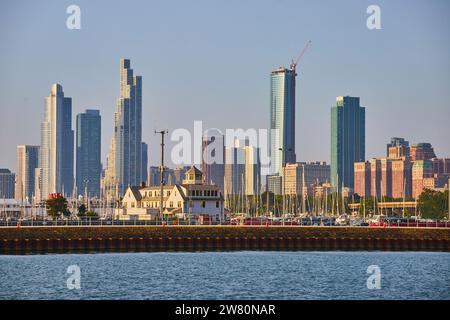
(227, 275)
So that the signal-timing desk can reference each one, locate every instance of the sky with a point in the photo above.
(211, 61)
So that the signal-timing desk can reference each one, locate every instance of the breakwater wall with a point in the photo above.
(26, 240)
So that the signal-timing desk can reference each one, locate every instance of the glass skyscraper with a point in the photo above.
(213, 158)
(347, 140)
(124, 162)
(88, 145)
(282, 118)
(56, 152)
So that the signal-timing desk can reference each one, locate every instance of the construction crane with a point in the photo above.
(294, 63)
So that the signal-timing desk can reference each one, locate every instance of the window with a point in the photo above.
(179, 204)
(217, 204)
(203, 204)
(171, 204)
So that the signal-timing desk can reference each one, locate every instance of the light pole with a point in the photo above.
(161, 170)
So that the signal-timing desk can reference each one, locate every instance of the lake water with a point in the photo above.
(227, 275)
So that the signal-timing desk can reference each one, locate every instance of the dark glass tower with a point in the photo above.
(348, 126)
(88, 146)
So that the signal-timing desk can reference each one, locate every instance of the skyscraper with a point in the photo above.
(252, 170)
(88, 147)
(347, 140)
(422, 151)
(56, 152)
(27, 162)
(362, 178)
(398, 147)
(242, 169)
(282, 118)
(234, 170)
(7, 179)
(124, 165)
(213, 159)
(301, 178)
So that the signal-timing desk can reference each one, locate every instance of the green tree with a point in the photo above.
(92, 215)
(433, 204)
(56, 206)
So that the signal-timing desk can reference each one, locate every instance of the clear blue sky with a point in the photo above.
(210, 60)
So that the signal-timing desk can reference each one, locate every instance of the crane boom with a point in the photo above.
(294, 63)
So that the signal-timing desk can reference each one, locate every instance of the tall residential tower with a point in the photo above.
(56, 152)
(282, 118)
(89, 168)
(347, 140)
(124, 163)
(27, 162)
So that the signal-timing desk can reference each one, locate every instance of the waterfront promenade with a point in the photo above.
(79, 239)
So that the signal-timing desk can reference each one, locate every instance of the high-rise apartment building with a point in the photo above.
(422, 172)
(347, 140)
(27, 162)
(383, 177)
(282, 118)
(362, 182)
(234, 178)
(421, 151)
(124, 162)
(397, 148)
(252, 170)
(57, 151)
(7, 181)
(213, 159)
(88, 147)
(303, 177)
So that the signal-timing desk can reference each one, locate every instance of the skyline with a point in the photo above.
(324, 73)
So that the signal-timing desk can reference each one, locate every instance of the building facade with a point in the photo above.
(7, 184)
(362, 179)
(422, 176)
(302, 178)
(124, 165)
(383, 177)
(397, 148)
(189, 200)
(282, 118)
(88, 146)
(252, 170)
(234, 173)
(273, 183)
(213, 159)
(422, 151)
(56, 159)
(401, 178)
(347, 140)
(27, 162)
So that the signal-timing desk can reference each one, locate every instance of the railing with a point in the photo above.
(252, 222)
